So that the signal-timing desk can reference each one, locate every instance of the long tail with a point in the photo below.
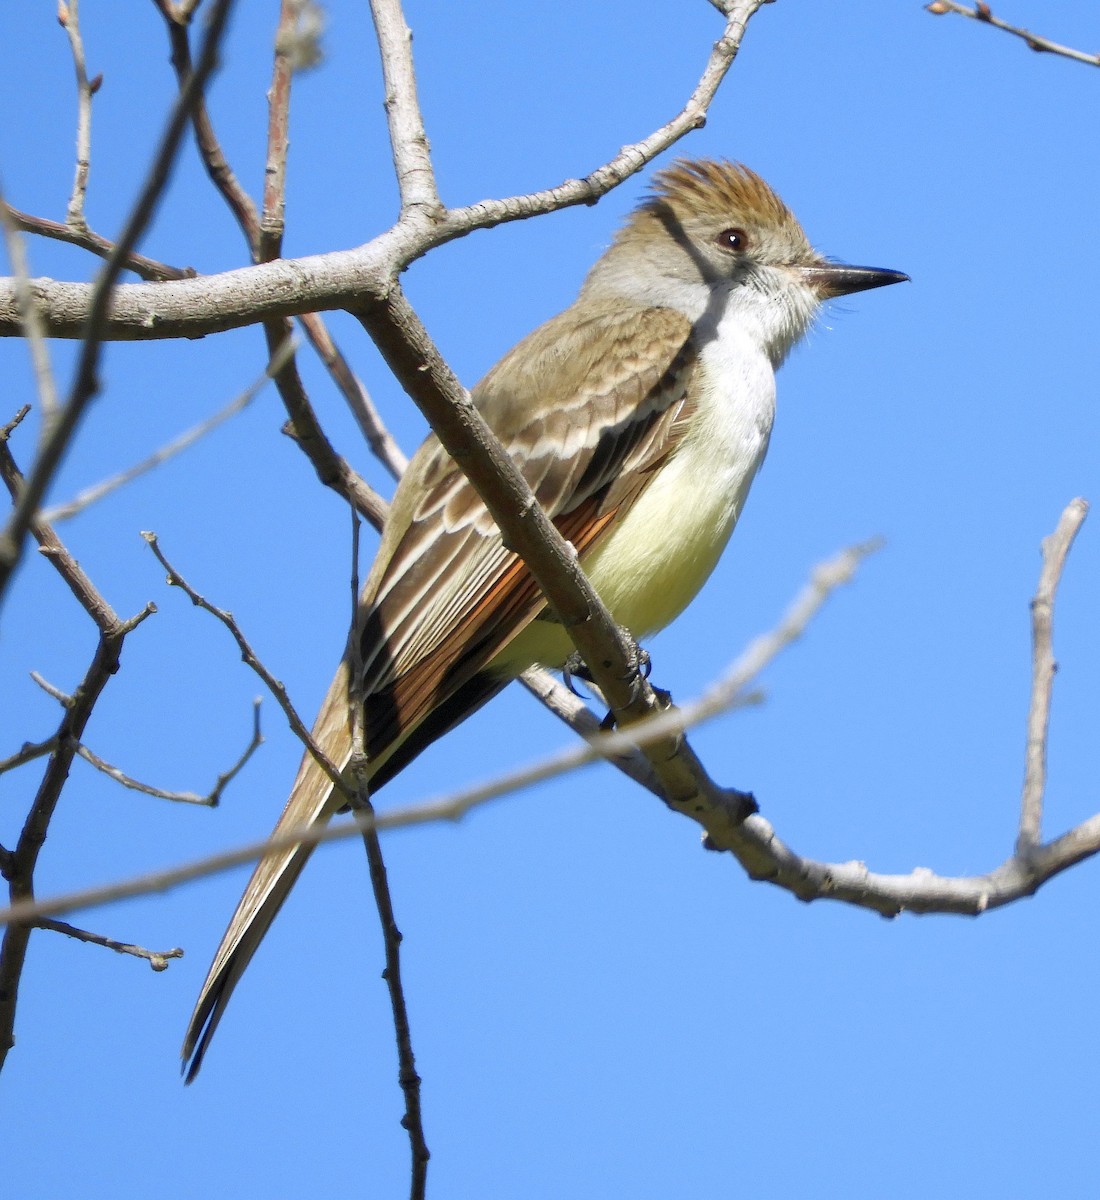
(311, 802)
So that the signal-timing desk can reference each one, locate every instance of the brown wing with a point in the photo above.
(449, 596)
(444, 596)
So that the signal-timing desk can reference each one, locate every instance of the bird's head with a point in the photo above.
(715, 232)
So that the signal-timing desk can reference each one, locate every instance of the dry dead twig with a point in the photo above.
(1035, 41)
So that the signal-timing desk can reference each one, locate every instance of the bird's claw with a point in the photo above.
(575, 667)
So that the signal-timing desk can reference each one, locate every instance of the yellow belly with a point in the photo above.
(651, 565)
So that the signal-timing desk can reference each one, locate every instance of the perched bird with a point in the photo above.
(639, 417)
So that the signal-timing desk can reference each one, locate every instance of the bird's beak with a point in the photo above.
(830, 280)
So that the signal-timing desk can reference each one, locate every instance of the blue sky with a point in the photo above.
(598, 1007)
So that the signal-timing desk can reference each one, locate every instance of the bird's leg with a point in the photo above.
(576, 668)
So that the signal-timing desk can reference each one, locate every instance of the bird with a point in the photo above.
(639, 417)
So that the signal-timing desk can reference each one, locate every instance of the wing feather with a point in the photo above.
(589, 406)
(450, 592)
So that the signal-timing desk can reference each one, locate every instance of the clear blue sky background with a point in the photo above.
(599, 1007)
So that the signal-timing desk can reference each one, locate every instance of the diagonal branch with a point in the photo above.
(147, 268)
(603, 746)
(212, 798)
(264, 236)
(983, 13)
(157, 959)
(252, 660)
(20, 863)
(267, 238)
(754, 842)
(95, 493)
(610, 655)
(630, 159)
(178, 22)
(61, 430)
(26, 753)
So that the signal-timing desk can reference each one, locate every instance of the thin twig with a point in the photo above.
(630, 159)
(266, 238)
(89, 496)
(367, 417)
(568, 707)
(250, 658)
(20, 863)
(157, 959)
(407, 1076)
(411, 156)
(212, 798)
(983, 13)
(7, 430)
(363, 808)
(63, 698)
(1055, 549)
(28, 752)
(269, 243)
(85, 386)
(148, 269)
(177, 20)
(332, 470)
(265, 246)
(68, 14)
(606, 746)
(31, 318)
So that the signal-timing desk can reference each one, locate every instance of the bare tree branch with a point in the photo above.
(269, 236)
(1055, 548)
(157, 959)
(983, 13)
(367, 417)
(252, 660)
(754, 841)
(20, 863)
(264, 237)
(362, 807)
(178, 19)
(411, 156)
(88, 497)
(55, 693)
(68, 14)
(346, 279)
(28, 752)
(212, 798)
(60, 431)
(44, 382)
(147, 268)
(602, 746)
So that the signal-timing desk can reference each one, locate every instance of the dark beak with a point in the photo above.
(830, 280)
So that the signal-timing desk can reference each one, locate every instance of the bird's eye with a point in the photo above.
(733, 239)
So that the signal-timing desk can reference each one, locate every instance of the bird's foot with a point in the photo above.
(641, 665)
